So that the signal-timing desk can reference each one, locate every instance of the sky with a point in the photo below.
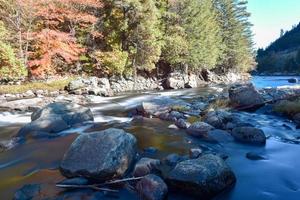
(270, 16)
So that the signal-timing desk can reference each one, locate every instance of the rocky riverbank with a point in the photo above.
(103, 159)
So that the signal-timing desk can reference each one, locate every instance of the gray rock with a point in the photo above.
(218, 119)
(245, 96)
(27, 192)
(293, 80)
(181, 123)
(204, 177)
(100, 155)
(152, 187)
(149, 109)
(28, 94)
(76, 84)
(199, 129)
(175, 81)
(146, 166)
(71, 113)
(219, 136)
(195, 153)
(249, 135)
(38, 128)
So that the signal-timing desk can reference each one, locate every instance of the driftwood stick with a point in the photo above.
(120, 181)
(86, 186)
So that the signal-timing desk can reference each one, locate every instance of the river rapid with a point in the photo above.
(276, 177)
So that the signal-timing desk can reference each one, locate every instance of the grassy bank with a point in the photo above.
(50, 86)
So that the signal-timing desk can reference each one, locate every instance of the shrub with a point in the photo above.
(10, 66)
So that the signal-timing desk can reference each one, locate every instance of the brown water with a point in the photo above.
(278, 177)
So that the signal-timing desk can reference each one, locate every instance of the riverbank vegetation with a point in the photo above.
(42, 38)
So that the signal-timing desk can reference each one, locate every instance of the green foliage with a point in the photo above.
(236, 35)
(10, 66)
(112, 62)
(286, 49)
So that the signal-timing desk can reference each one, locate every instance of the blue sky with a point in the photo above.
(269, 16)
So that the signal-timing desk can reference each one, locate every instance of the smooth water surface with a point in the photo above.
(277, 177)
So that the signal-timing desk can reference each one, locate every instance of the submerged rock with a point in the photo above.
(199, 129)
(152, 187)
(146, 166)
(255, 156)
(74, 181)
(245, 96)
(100, 155)
(27, 192)
(204, 177)
(249, 135)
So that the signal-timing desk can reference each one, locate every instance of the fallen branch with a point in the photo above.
(120, 181)
(94, 187)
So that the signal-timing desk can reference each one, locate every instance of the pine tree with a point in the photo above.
(236, 35)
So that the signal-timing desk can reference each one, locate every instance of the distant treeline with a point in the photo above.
(283, 55)
(39, 38)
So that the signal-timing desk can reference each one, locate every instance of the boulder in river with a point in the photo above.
(44, 127)
(152, 187)
(245, 96)
(250, 135)
(70, 113)
(181, 123)
(218, 119)
(102, 155)
(199, 129)
(204, 177)
(293, 80)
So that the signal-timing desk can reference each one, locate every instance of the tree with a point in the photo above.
(236, 35)
(10, 66)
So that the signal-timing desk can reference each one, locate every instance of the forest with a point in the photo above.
(282, 55)
(43, 38)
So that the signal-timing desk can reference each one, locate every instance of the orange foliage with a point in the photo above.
(55, 32)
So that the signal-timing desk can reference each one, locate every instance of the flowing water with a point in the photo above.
(276, 177)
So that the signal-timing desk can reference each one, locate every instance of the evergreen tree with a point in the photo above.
(236, 35)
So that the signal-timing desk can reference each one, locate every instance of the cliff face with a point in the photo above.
(283, 55)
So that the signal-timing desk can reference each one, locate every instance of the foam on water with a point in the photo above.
(7, 118)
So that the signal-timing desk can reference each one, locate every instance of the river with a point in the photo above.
(276, 177)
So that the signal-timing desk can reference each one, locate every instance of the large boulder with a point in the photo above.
(102, 155)
(152, 187)
(204, 177)
(70, 113)
(245, 96)
(175, 81)
(250, 135)
(199, 129)
(149, 109)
